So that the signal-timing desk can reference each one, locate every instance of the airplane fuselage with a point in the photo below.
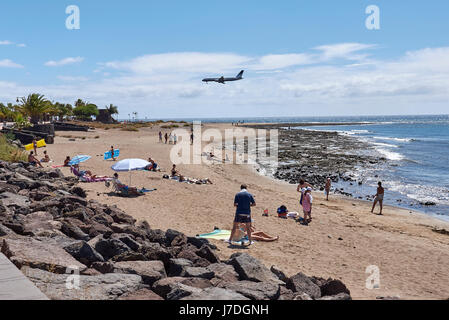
(223, 80)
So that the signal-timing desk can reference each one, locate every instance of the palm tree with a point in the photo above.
(35, 106)
(112, 109)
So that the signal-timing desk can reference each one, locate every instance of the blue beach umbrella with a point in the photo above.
(79, 159)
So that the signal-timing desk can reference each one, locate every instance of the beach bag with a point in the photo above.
(282, 211)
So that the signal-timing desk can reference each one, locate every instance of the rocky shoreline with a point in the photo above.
(317, 155)
(52, 233)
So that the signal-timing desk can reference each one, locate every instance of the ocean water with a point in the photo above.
(417, 170)
(417, 152)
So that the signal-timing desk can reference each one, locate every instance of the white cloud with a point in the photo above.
(63, 62)
(21, 45)
(6, 63)
(5, 43)
(328, 80)
(72, 78)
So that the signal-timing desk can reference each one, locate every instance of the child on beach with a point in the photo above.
(46, 157)
(66, 161)
(307, 205)
(112, 153)
(302, 185)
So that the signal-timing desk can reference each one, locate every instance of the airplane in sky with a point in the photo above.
(223, 80)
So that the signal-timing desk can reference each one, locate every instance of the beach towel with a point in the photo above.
(40, 144)
(108, 155)
(216, 234)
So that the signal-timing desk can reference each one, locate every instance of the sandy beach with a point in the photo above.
(343, 240)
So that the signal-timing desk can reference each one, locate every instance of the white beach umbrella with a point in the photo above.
(130, 165)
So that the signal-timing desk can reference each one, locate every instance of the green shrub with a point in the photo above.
(9, 152)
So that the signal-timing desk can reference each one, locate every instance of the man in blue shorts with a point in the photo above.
(243, 202)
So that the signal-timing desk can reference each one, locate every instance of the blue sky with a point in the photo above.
(306, 58)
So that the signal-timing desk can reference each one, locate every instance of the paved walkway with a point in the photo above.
(14, 285)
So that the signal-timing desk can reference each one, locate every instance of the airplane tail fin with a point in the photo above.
(239, 76)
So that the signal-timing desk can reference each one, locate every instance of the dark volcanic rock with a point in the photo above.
(303, 284)
(249, 268)
(84, 253)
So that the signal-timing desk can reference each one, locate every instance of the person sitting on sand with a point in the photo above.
(33, 160)
(120, 185)
(66, 161)
(327, 188)
(34, 142)
(152, 166)
(46, 157)
(379, 197)
(307, 205)
(282, 212)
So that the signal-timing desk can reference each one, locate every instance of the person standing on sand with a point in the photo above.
(243, 202)
(327, 188)
(379, 197)
(175, 138)
(160, 136)
(307, 205)
(34, 146)
(303, 185)
(166, 137)
(112, 153)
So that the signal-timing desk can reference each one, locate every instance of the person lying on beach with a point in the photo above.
(255, 235)
(33, 160)
(327, 188)
(46, 157)
(379, 197)
(303, 185)
(75, 169)
(66, 161)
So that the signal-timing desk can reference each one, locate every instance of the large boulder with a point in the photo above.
(255, 290)
(39, 254)
(73, 231)
(176, 266)
(330, 287)
(109, 248)
(198, 272)
(166, 285)
(224, 273)
(154, 251)
(207, 253)
(303, 284)
(189, 253)
(215, 294)
(102, 287)
(83, 252)
(142, 294)
(37, 222)
(150, 271)
(249, 268)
